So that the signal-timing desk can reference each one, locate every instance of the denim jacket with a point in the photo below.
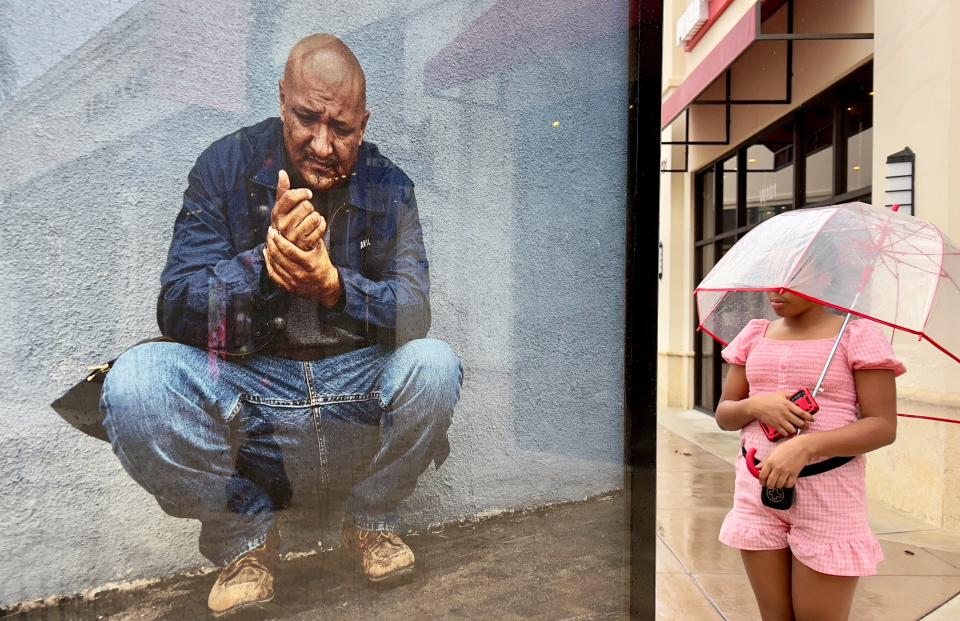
(215, 291)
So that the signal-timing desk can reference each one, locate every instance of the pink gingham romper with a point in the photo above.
(827, 528)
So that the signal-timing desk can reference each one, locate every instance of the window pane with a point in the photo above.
(859, 147)
(728, 216)
(724, 245)
(818, 146)
(704, 369)
(513, 122)
(708, 388)
(722, 248)
(856, 95)
(770, 174)
(708, 208)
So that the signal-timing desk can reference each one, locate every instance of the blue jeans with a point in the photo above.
(229, 442)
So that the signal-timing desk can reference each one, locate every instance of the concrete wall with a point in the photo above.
(917, 81)
(524, 224)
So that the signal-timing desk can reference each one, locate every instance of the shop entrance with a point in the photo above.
(818, 155)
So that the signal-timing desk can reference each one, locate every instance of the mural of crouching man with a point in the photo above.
(296, 294)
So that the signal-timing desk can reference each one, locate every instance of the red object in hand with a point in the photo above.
(752, 462)
(802, 398)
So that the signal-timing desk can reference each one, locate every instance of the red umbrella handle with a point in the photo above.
(751, 462)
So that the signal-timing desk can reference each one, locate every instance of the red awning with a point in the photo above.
(729, 49)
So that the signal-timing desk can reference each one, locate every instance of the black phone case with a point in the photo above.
(780, 498)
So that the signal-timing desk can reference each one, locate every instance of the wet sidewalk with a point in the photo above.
(563, 562)
(698, 578)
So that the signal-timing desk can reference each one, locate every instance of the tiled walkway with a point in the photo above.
(700, 578)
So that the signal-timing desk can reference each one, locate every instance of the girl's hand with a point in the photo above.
(782, 467)
(776, 410)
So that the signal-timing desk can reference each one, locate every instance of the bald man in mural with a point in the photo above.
(296, 297)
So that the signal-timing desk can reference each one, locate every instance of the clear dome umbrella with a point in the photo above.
(858, 259)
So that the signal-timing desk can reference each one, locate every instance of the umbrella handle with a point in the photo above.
(751, 462)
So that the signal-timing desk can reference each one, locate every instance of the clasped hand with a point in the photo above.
(776, 410)
(296, 257)
(782, 467)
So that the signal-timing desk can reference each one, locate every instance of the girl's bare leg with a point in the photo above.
(821, 597)
(769, 573)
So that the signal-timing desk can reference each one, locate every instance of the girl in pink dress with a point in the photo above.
(803, 562)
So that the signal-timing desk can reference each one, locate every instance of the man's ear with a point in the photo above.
(281, 98)
(363, 125)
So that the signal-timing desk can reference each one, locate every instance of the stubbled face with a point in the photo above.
(786, 304)
(323, 125)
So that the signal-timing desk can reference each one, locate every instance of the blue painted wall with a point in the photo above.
(105, 106)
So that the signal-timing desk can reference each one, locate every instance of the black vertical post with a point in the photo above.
(640, 336)
(743, 177)
(799, 159)
(839, 146)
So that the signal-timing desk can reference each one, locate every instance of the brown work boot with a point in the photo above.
(247, 580)
(383, 555)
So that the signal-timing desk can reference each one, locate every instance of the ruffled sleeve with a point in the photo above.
(868, 348)
(741, 345)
